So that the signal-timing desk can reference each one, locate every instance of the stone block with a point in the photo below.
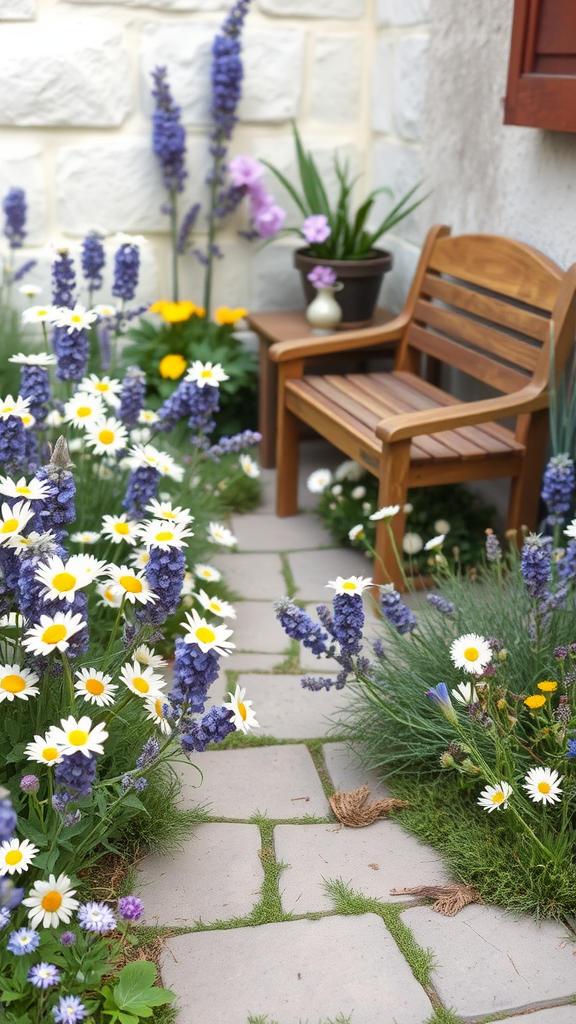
(295, 971)
(347, 774)
(64, 71)
(553, 1015)
(286, 711)
(279, 781)
(123, 181)
(275, 284)
(314, 8)
(21, 167)
(312, 573)
(402, 12)
(337, 79)
(382, 85)
(215, 876)
(399, 167)
(370, 860)
(315, 453)
(17, 10)
(488, 961)
(243, 662)
(231, 275)
(396, 284)
(410, 78)
(274, 63)
(165, 5)
(254, 577)
(256, 628)
(269, 533)
(268, 503)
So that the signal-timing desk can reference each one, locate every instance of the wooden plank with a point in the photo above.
(473, 363)
(345, 433)
(429, 474)
(492, 309)
(501, 265)
(556, 28)
(461, 328)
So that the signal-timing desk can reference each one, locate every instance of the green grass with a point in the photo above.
(289, 580)
(263, 1018)
(291, 663)
(443, 1016)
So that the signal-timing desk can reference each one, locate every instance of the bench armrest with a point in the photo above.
(304, 348)
(466, 414)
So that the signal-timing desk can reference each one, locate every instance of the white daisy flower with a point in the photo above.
(154, 708)
(358, 493)
(139, 558)
(464, 693)
(13, 520)
(352, 585)
(51, 902)
(543, 785)
(17, 682)
(435, 542)
(54, 419)
(244, 718)
(110, 596)
(159, 533)
(164, 510)
(356, 531)
(493, 797)
(337, 490)
(570, 530)
(33, 491)
(146, 656)
(43, 750)
(16, 856)
(95, 687)
(221, 535)
(28, 420)
(103, 309)
(208, 637)
(144, 682)
(89, 564)
(14, 407)
(147, 417)
(61, 580)
(85, 537)
(187, 584)
(107, 387)
(205, 373)
(442, 526)
(319, 480)
(83, 409)
(73, 736)
(77, 319)
(29, 289)
(385, 513)
(106, 436)
(119, 528)
(207, 573)
(52, 633)
(412, 543)
(471, 652)
(216, 606)
(250, 467)
(39, 314)
(34, 359)
(130, 584)
(349, 470)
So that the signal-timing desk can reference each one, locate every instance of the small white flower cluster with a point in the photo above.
(77, 319)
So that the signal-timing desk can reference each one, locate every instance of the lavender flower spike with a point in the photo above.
(535, 565)
(168, 134)
(126, 271)
(397, 613)
(14, 208)
(558, 488)
(93, 259)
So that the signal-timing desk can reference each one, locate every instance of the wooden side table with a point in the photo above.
(290, 326)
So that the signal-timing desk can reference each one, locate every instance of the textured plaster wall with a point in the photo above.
(75, 119)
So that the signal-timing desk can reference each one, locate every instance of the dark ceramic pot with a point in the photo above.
(362, 280)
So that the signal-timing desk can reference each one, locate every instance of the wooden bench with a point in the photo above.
(484, 305)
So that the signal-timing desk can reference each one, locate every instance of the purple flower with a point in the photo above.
(77, 772)
(165, 574)
(168, 134)
(14, 207)
(322, 277)
(244, 170)
(63, 279)
(558, 488)
(397, 613)
(493, 549)
(571, 749)
(68, 939)
(72, 352)
(93, 259)
(4, 917)
(132, 395)
(10, 896)
(440, 696)
(535, 565)
(348, 622)
(7, 819)
(230, 445)
(130, 908)
(25, 940)
(150, 753)
(566, 567)
(30, 784)
(35, 385)
(299, 626)
(268, 220)
(12, 443)
(58, 506)
(186, 229)
(69, 1010)
(227, 74)
(142, 487)
(126, 271)
(213, 728)
(96, 917)
(316, 228)
(44, 975)
(194, 673)
(441, 604)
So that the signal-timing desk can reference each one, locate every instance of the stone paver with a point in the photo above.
(279, 781)
(295, 971)
(285, 710)
(268, 533)
(256, 628)
(371, 860)
(553, 1015)
(347, 775)
(254, 577)
(268, 504)
(241, 662)
(312, 574)
(487, 961)
(216, 876)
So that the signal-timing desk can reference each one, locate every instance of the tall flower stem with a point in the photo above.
(211, 238)
(174, 242)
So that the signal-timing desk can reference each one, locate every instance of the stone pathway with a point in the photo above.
(276, 913)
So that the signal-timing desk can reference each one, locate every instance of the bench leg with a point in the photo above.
(394, 466)
(287, 445)
(268, 386)
(525, 491)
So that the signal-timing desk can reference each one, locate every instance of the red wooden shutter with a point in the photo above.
(541, 90)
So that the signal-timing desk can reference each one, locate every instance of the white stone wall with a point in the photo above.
(75, 127)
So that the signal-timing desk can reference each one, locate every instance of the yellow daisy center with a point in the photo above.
(50, 753)
(77, 737)
(76, 319)
(140, 684)
(52, 901)
(13, 857)
(544, 787)
(101, 386)
(348, 585)
(158, 707)
(9, 526)
(83, 410)
(122, 528)
(131, 584)
(9, 408)
(215, 606)
(106, 436)
(109, 594)
(23, 490)
(205, 634)
(42, 312)
(94, 686)
(471, 653)
(498, 797)
(206, 373)
(169, 515)
(13, 684)
(54, 634)
(64, 581)
(242, 710)
(165, 535)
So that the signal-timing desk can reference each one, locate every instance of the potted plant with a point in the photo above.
(338, 237)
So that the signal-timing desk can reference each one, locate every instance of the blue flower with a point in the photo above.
(441, 604)
(168, 134)
(213, 728)
(535, 565)
(126, 271)
(397, 613)
(566, 567)
(194, 673)
(199, 404)
(440, 696)
(7, 819)
(4, 917)
(571, 749)
(558, 487)
(299, 626)
(96, 917)
(35, 385)
(142, 487)
(69, 1010)
(231, 445)
(348, 622)
(186, 229)
(132, 395)
(63, 280)
(93, 259)
(227, 73)
(72, 352)
(44, 975)
(77, 772)
(14, 207)
(25, 940)
(165, 574)
(12, 443)
(150, 753)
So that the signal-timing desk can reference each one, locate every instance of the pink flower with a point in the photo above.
(268, 220)
(259, 197)
(316, 228)
(245, 171)
(322, 277)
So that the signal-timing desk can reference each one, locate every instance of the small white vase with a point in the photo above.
(324, 313)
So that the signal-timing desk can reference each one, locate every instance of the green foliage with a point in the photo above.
(135, 994)
(350, 237)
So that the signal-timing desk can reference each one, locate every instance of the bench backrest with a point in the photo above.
(483, 304)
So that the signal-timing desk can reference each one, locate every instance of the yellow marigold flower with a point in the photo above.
(536, 701)
(548, 685)
(224, 315)
(174, 312)
(200, 312)
(172, 366)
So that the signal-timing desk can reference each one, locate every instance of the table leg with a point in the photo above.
(267, 405)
